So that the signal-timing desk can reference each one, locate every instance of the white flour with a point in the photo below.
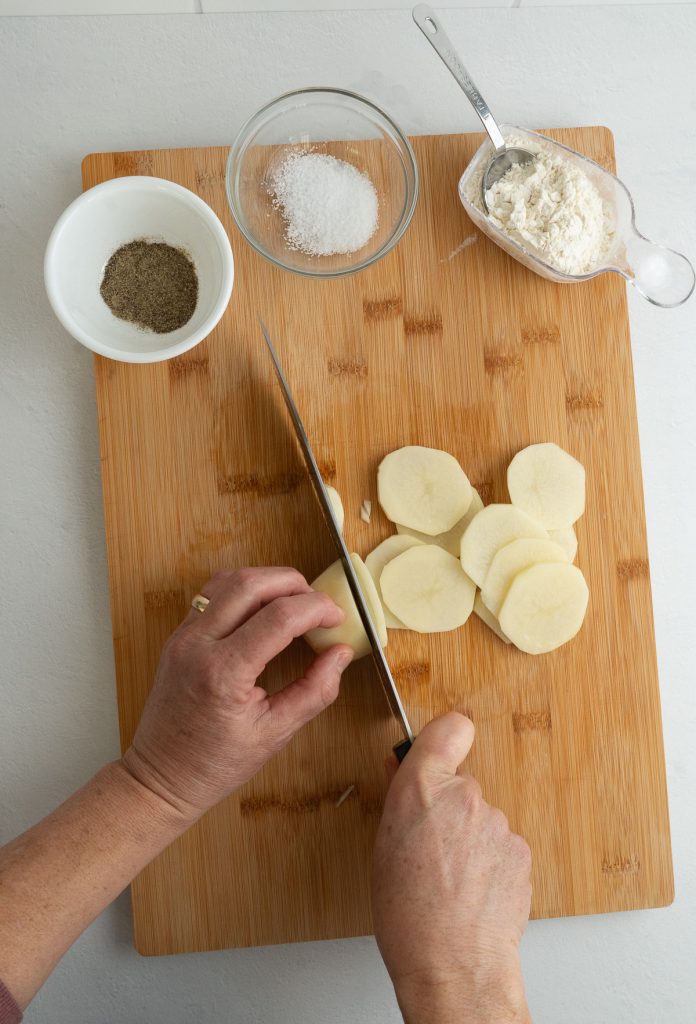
(552, 209)
(329, 205)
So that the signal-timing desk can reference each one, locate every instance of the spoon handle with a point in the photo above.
(429, 24)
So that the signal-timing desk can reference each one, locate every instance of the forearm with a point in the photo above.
(464, 1000)
(57, 877)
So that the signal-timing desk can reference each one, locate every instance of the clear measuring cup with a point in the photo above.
(662, 276)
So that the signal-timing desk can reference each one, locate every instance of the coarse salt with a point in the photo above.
(329, 206)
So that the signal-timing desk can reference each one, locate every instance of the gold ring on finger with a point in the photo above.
(200, 603)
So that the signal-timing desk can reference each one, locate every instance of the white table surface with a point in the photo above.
(34, 7)
(74, 85)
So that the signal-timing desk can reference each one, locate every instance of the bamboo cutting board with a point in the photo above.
(447, 342)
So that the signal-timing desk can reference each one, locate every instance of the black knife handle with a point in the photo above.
(402, 749)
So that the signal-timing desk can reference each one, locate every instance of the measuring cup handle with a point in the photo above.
(663, 276)
(429, 24)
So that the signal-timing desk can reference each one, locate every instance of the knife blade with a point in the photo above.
(381, 663)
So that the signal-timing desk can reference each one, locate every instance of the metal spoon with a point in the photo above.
(503, 158)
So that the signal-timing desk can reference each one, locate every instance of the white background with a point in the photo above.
(69, 86)
(25, 7)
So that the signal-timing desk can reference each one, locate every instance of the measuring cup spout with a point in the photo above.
(664, 277)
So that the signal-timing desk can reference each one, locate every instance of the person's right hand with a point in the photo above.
(450, 889)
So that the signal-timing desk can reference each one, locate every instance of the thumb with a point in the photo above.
(441, 746)
(391, 767)
(303, 700)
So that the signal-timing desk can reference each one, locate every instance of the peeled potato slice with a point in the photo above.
(450, 541)
(427, 590)
(493, 528)
(548, 484)
(511, 560)
(336, 505)
(351, 631)
(545, 607)
(375, 563)
(568, 540)
(488, 617)
(423, 488)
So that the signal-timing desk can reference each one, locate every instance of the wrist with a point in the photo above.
(129, 786)
(465, 997)
(158, 790)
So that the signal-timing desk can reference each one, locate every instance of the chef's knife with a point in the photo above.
(381, 664)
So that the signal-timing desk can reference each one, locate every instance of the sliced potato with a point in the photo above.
(372, 598)
(423, 488)
(452, 539)
(375, 563)
(548, 484)
(545, 607)
(488, 617)
(336, 505)
(568, 539)
(493, 528)
(427, 590)
(511, 560)
(351, 631)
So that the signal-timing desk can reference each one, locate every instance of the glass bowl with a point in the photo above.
(332, 122)
(662, 276)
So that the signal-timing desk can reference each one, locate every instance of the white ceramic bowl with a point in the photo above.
(107, 217)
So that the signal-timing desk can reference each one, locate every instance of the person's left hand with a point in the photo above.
(207, 727)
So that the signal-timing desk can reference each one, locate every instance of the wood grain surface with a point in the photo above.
(443, 344)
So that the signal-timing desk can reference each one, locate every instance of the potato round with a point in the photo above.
(493, 528)
(568, 539)
(488, 618)
(375, 563)
(545, 607)
(511, 560)
(423, 488)
(548, 484)
(451, 540)
(336, 505)
(427, 589)
(351, 631)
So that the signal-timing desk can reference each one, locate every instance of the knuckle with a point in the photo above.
(206, 665)
(294, 574)
(329, 690)
(499, 821)
(521, 851)
(242, 578)
(282, 615)
(245, 578)
(210, 682)
(175, 645)
(221, 575)
(472, 796)
(419, 792)
(323, 600)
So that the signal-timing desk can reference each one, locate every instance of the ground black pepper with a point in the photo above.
(152, 285)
